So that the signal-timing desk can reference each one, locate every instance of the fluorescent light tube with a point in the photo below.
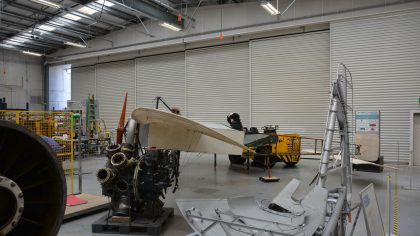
(72, 17)
(16, 40)
(87, 10)
(270, 8)
(46, 27)
(47, 3)
(57, 23)
(75, 44)
(106, 3)
(32, 53)
(171, 27)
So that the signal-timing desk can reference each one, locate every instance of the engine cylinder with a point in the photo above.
(122, 186)
(127, 149)
(119, 161)
(112, 149)
(105, 175)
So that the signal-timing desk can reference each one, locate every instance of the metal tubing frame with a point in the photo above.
(164, 103)
(223, 222)
(80, 154)
(338, 113)
(332, 223)
(329, 134)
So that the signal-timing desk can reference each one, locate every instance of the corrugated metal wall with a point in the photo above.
(218, 83)
(290, 83)
(82, 83)
(162, 75)
(113, 81)
(383, 55)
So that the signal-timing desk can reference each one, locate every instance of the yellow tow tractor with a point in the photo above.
(269, 148)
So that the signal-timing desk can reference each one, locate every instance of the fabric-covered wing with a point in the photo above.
(171, 131)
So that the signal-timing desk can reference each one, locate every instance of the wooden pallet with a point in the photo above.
(138, 226)
(94, 204)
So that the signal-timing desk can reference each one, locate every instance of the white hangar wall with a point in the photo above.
(280, 76)
(383, 54)
(21, 80)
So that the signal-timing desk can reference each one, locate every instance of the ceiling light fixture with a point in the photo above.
(72, 17)
(171, 27)
(87, 10)
(106, 3)
(57, 23)
(16, 40)
(46, 27)
(32, 53)
(75, 44)
(269, 8)
(48, 3)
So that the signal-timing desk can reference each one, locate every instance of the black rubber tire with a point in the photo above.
(290, 165)
(28, 160)
(236, 159)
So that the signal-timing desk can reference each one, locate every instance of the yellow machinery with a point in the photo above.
(270, 148)
(53, 125)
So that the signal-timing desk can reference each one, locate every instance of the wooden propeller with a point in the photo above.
(120, 129)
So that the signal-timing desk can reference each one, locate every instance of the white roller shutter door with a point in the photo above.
(290, 83)
(82, 83)
(218, 83)
(383, 55)
(113, 81)
(164, 76)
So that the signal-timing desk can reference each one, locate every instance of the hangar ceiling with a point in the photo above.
(41, 27)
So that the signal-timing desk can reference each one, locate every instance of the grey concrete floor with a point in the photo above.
(199, 179)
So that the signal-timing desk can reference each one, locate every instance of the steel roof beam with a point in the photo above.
(59, 36)
(170, 7)
(39, 41)
(91, 28)
(112, 12)
(10, 28)
(110, 23)
(10, 23)
(63, 37)
(18, 48)
(51, 16)
(4, 35)
(148, 10)
(22, 28)
(70, 30)
(109, 10)
(26, 18)
(42, 49)
(34, 43)
(32, 40)
(5, 30)
(28, 8)
(49, 40)
(51, 35)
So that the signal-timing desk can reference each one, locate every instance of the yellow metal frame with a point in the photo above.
(56, 125)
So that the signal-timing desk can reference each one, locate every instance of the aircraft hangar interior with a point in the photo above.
(210, 117)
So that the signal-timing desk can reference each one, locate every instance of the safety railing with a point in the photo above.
(56, 128)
